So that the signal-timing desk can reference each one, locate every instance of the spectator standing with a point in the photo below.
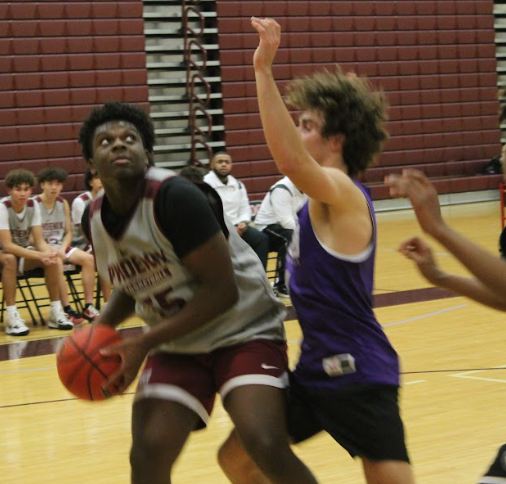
(236, 204)
(277, 218)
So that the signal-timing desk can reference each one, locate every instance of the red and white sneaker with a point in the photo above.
(76, 318)
(90, 313)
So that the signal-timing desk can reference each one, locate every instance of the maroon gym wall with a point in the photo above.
(434, 59)
(58, 60)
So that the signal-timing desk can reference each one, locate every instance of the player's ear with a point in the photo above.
(337, 142)
(91, 166)
(150, 158)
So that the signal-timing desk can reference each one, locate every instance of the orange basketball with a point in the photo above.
(81, 367)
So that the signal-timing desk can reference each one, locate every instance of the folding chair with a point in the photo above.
(28, 296)
(70, 271)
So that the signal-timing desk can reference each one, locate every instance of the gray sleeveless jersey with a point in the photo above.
(52, 221)
(143, 264)
(20, 228)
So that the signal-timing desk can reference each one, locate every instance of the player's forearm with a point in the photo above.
(119, 307)
(19, 252)
(473, 289)
(489, 269)
(280, 132)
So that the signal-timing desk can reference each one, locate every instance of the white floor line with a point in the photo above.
(466, 374)
(27, 370)
(423, 316)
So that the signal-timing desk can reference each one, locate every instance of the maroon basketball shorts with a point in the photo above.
(194, 380)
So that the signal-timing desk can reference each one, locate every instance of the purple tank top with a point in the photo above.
(343, 343)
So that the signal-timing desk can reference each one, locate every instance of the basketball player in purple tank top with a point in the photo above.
(347, 379)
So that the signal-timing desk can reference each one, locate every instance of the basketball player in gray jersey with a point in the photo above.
(215, 325)
(346, 381)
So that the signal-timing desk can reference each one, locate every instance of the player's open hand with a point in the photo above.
(133, 353)
(270, 37)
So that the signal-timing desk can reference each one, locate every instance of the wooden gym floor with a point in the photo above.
(454, 386)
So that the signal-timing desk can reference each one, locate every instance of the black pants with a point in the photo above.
(279, 240)
(259, 242)
(502, 243)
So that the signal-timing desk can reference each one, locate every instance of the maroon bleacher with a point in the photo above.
(434, 59)
(58, 60)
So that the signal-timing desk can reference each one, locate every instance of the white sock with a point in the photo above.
(56, 307)
(11, 312)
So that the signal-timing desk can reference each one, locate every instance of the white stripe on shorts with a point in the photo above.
(239, 381)
(174, 394)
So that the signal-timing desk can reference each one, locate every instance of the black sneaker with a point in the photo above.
(497, 472)
(281, 290)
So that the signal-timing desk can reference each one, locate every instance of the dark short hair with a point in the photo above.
(192, 173)
(220, 152)
(18, 177)
(52, 174)
(116, 111)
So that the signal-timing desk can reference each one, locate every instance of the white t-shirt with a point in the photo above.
(280, 205)
(234, 197)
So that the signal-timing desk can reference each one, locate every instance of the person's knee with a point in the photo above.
(88, 261)
(9, 263)
(267, 449)
(227, 458)
(236, 464)
(148, 447)
(54, 270)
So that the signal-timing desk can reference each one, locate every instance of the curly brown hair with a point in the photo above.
(19, 177)
(349, 105)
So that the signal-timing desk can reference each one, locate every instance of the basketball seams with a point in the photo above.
(95, 367)
(87, 368)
